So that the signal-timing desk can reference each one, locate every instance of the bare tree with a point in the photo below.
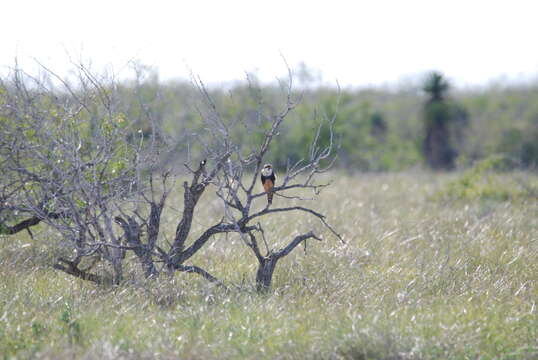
(73, 160)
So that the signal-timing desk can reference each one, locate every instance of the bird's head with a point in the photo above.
(267, 170)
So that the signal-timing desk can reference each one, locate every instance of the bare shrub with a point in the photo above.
(72, 159)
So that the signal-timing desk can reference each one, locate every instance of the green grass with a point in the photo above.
(420, 277)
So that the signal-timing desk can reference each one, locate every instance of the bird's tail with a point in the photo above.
(270, 197)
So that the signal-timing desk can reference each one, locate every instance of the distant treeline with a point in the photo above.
(375, 129)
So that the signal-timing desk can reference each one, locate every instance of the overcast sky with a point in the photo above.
(359, 43)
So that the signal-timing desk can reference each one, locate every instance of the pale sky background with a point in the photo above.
(360, 43)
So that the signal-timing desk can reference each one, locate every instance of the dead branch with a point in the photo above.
(200, 271)
(25, 224)
(71, 268)
(294, 243)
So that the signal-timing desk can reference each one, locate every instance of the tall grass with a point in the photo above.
(420, 276)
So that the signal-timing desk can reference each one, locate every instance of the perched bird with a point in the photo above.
(268, 181)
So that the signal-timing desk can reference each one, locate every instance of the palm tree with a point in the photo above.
(436, 86)
(438, 150)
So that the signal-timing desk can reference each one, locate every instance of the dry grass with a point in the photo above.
(420, 277)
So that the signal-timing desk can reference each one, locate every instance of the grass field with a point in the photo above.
(422, 275)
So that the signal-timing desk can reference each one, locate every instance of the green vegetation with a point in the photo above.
(419, 277)
(486, 180)
(433, 265)
(377, 129)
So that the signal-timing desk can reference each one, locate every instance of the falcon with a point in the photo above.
(268, 181)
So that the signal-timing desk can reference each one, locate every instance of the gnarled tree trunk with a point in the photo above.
(264, 275)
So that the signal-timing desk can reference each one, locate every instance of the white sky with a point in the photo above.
(357, 42)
